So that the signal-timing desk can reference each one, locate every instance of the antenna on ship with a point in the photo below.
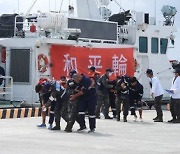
(104, 11)
(169, 13)
(118, 5)
(49, 5)
(70, 9)
(18, 6)
(61, 6)
(31, 7)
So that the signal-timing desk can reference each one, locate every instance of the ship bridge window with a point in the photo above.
(154, 45)
(143, 44)
(20, 65)
(163, 45)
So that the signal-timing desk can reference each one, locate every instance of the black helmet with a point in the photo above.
(133, 79)
(72, 72)
(109, 70)
(92, 68)
(63, 78)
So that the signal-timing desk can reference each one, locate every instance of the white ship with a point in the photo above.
(50, 44)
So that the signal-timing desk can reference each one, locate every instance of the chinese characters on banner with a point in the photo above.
(66, 58)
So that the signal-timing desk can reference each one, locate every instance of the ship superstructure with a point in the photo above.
(50, 44)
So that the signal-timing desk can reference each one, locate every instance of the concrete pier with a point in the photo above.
(21, 136)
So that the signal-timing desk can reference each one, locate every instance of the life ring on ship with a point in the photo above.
(42, 63)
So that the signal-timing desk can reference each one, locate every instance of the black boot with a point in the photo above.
(159, 119)
(118, 117)
(125, 118)
(155, 118)
(172, 120)
(177, 120)
(68, 128)
(114, 114)
(107, 116)
(57, 127)
(98, 117)
(82, 128)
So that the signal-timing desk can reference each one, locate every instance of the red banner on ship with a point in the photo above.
(66, 58)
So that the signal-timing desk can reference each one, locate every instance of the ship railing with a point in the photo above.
(16, 23)
(90, 40)
(26, 27)
(126, 34)
(6, 87)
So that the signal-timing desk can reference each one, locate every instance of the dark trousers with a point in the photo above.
(157, 105)
(61, 110)
(112, 99)
(72, 113)
(125, 103)
(175, 108)
(102, 99)
(88, 103)
(51, 114)
(132, 103)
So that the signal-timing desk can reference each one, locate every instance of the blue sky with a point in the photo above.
(11, 6)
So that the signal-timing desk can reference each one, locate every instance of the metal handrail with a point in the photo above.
(7, 87)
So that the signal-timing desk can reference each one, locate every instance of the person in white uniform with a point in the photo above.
(156, 93)
(175, 97)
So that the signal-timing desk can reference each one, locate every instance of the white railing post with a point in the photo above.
(6, 89)
(11, 89)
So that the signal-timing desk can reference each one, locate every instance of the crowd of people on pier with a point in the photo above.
(90, 94)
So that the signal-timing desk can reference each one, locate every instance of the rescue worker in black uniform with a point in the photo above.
(72, 88)
(122, 88)
(44, 89)
(103, 94)
(136, 94)
(56, 86)
(87, 101)
(52, 108)
(59, 95)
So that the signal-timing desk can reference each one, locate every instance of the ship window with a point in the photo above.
(143, 44)
(20, 65)
(163, 45)
(154, 45)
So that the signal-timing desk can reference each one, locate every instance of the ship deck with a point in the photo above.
(20, 135)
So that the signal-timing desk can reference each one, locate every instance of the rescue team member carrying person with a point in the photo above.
(59, 95)
(50, 92)
(87, 101)
(122, 88)
(103, 94)
(136, 93)
(44, 88)
(72, 88)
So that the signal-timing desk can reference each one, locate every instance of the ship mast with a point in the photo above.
(18, 6)
(31, 7)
